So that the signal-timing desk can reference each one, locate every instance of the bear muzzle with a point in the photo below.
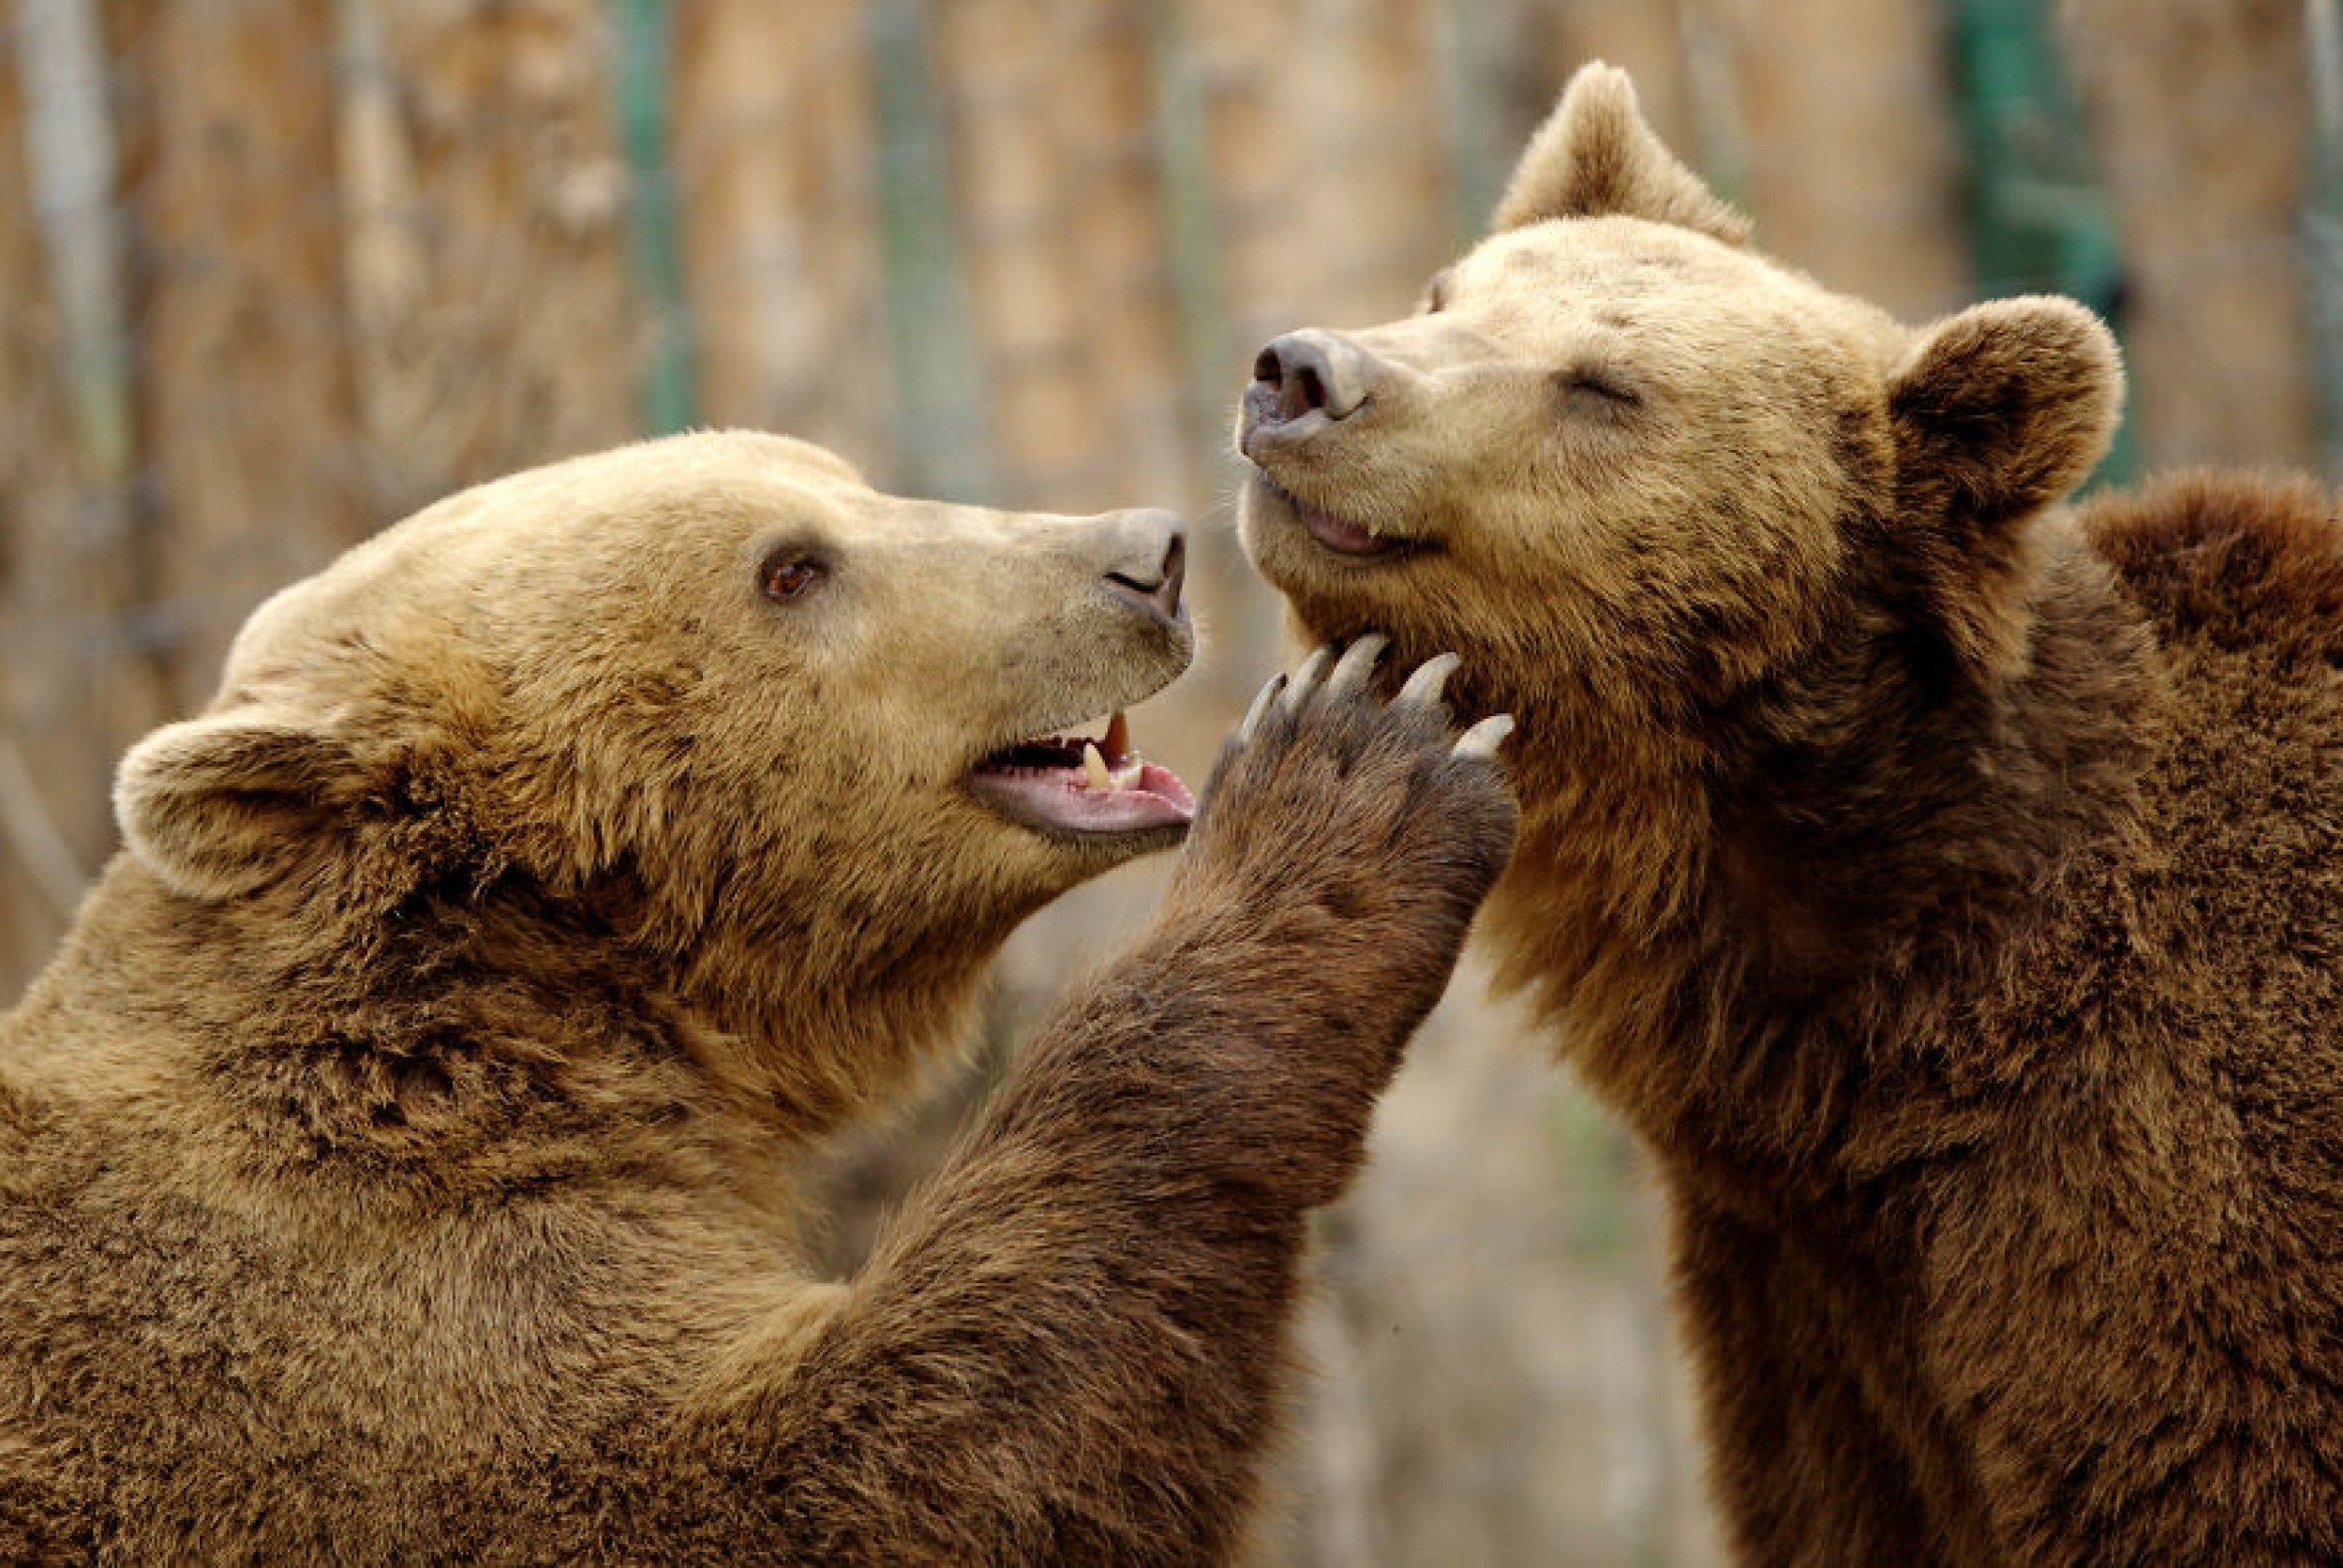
(1152, 564)
(1307, 384)
(1306, 374)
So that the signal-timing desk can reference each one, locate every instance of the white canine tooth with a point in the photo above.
(1350, 671)
(1306, 679)
(1483, 738)
(1430, 677)
(1095, 766)
(1127, 776)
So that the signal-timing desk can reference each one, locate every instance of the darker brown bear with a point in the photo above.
(1947, 885)
(397, 1163)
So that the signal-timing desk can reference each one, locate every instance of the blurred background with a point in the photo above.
(277, 272)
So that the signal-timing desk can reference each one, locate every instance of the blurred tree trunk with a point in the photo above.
(995, 64)
(1851, 162)
(1048, 110)
(773, 143)
(1119, 235)
(2201, 115)
(36, 505)
(1328, 176)
(77, 686)
(491, 320)
(246, 405)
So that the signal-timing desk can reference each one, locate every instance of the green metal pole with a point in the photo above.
(945, 444)
(643, 33)
(2038, 221)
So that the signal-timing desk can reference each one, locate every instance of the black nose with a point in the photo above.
(1308, 371)
(1156, 563)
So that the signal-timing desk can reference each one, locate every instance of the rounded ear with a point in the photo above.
(227, 803)
(1595, 156)
(1996, 413)
(2007, 406)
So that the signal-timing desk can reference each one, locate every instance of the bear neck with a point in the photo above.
(1754, 921)
(810, 1024)
(476, 1040)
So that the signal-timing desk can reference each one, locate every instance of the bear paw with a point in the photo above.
(1369, 830)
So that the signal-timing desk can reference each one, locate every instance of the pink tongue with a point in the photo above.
(1062, 798)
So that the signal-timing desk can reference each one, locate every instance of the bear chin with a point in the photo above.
(1335, 534)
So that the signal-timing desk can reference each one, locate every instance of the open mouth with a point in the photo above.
(1076, 784)
(1337, 533)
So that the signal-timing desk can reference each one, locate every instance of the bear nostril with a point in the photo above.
(1167, 594)
(1157, 586)
(1308, 372)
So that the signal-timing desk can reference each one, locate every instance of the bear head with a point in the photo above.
(772, 738)
(1618, 449)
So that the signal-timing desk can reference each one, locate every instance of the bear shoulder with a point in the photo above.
(2230, 560)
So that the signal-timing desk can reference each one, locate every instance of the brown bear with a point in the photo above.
(397, 1163)
(1945, 883)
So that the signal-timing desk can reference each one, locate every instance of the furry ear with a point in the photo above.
(1996, 413)
(225, 804)
(1595, 156)
(2006, 405)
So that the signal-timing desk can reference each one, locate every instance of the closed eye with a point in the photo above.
(1436, 292)
(1592, 385)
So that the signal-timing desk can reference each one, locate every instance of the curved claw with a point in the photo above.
(1306, 679)
(1430, 677)
(1356, 664)
(1483, 738)
(1262, 700)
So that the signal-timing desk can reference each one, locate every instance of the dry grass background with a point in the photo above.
(276, 272)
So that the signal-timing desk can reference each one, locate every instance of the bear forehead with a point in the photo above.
(1625, 272)
(1629, 252)
(1657, 263)
(665, 512)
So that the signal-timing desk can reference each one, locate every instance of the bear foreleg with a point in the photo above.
(1072, 1346)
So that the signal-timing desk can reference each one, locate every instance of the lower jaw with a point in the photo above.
(1336, 536)
(1096, 850)
(1119, 829)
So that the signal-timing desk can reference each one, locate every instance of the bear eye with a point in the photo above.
(1436, 292)
(1594, 387)
(789, 576)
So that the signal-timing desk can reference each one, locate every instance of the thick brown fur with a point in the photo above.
(397, 1163)
(1947, 883)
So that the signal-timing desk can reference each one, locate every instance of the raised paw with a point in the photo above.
(1329, 798)
(1345, 842)
(1422, 688)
